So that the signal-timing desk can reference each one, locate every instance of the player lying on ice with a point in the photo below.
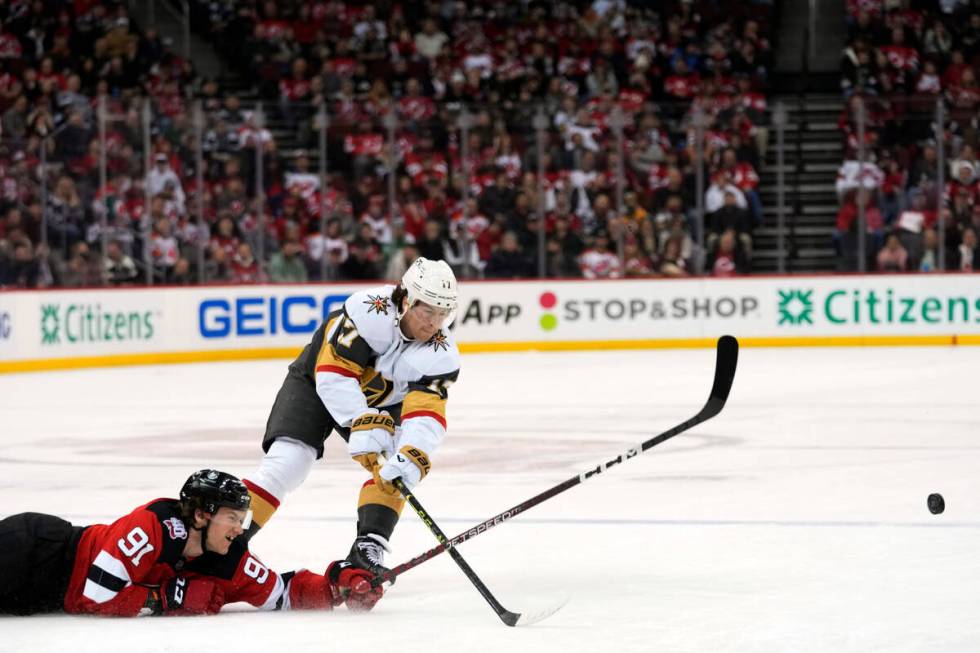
(171, 557)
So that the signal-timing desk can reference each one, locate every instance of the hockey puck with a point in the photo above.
(936, 503)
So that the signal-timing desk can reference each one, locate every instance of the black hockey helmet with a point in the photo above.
(210, 489)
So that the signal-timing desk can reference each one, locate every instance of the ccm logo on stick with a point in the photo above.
(604, 466)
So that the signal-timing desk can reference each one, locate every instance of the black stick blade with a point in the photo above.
(725, 364)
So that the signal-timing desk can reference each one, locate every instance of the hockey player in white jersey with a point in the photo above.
(377, 372)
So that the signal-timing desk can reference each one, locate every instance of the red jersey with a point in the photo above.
(118, 565)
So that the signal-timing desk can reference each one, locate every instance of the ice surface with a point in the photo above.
(794, 521)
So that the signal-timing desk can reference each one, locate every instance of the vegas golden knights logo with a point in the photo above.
(377, 304)
(439, 341)
(375, 387)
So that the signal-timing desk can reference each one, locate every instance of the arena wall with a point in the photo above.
(60, 329)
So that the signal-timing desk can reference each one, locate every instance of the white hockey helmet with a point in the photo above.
(432, 283)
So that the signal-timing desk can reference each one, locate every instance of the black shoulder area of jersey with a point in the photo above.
(349, 344)
(173, 531)
(437, 384)
(220, 566)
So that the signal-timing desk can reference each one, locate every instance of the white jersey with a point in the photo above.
(307, 183)
(364, 362)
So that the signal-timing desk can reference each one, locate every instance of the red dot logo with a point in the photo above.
(548, 300)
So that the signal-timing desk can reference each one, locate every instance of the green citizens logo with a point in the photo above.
(868, 306)
(74, 323)
(795, 307)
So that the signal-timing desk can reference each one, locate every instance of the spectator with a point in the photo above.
(745, 178)
(64, 214)
(183, 274)
(929, 261)
(673, 263)
(497, 198)
(401, 260)
(892, 257)
(728, 256)
(163, 178)
(365, 257)
(562, 249)
(335, 247)
(731, 217)
(431, 244)
(430, 41)
(82, 269)
(847, 226)
(72, 101)
(217, 268)
(14, 120)
(508, 261)
(75, 137)
(244, 268)
(911, 224)
(967, 254)
(119, 268)
(461, 252)
(164, 250)
(721, 185)
(23, 269)
(598, 261)
(636, 262)
(287, 265)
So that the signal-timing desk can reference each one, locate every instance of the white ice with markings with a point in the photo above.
(794, 521)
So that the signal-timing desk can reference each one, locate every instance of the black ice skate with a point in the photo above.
(368, 552)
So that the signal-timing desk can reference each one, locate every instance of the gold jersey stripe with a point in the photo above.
(418, 401)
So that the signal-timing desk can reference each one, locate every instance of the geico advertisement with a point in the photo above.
(257, 314)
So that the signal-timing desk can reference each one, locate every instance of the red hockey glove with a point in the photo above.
(310, 591)
(180, 596)
(352, 586)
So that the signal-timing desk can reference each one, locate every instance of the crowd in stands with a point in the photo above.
(922, 212)
(394, 79)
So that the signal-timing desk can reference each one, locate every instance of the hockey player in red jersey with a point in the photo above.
(173, 557)
(378, 372)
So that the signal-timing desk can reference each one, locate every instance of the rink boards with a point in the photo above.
(59, 329)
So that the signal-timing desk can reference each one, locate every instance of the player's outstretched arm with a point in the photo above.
(341, 583)
(255, 583)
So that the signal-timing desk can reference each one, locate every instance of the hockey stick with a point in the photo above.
(725, 364)
(508, 617)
